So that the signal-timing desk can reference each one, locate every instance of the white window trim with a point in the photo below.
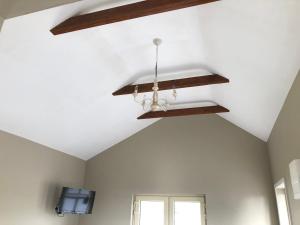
(168, 206)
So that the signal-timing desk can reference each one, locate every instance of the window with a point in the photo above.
(169, 210)
(282, 203)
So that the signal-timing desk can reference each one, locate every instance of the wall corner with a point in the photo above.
(1, 22)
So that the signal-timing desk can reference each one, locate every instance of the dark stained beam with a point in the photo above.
(171, 84)
(122, 13)
(184, 112)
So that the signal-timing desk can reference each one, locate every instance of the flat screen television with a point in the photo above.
(75, 201)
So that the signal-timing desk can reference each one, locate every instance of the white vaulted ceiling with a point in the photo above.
(56, 90)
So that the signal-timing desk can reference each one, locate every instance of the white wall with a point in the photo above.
(284, 144)
(31, 177)
(186, 155)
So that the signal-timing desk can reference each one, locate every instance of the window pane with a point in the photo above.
(187, 213)
(152, 213)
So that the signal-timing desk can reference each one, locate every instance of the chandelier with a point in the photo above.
(155, 103)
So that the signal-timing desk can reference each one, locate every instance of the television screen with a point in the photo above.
(75, 201)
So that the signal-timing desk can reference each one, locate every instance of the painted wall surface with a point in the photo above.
(284, 144)
(31, 177)
(186, 155)
(13, 8)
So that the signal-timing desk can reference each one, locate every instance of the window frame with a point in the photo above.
(169, 206)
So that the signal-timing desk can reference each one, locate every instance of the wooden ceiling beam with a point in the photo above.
(184, 112)
(171, 84)
(122, 13)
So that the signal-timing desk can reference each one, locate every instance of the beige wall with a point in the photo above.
(284, 144)
(31, 176)
(190, 155)
(13, 8)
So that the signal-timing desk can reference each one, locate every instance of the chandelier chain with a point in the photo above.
(156, 64)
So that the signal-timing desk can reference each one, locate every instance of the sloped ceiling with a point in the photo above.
(56, 90)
